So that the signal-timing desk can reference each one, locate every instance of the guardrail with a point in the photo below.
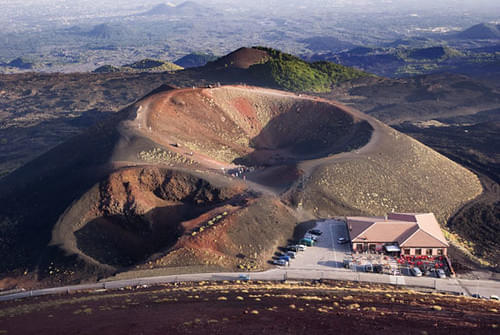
(444, 285)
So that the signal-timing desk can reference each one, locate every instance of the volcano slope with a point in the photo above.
(156, 186)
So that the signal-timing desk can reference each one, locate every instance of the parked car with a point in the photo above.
(368, 268)
(311, 237)
(307, 241)
(244, 277)
(296, 247)
(315, 232)
(285, 257)
(440, 273)
(477, 295)
(347, 263)
(377, 268)
(291, 254)
(342, 240)
(279, 261)
(494, 297)
(416, 272)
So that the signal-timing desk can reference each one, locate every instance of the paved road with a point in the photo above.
(484, 287)
(323, 261)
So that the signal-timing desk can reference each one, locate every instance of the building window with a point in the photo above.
(359, 247)
(440, 252)
(418, 251)
(406, 251)
(428, 252)
(372, 247)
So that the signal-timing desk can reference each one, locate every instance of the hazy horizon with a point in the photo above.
(58, 33)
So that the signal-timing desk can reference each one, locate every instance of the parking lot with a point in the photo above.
(327, 253)
(326, 260)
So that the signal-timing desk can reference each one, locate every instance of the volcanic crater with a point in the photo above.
(142, 209)
(160, 185)
(254, 127)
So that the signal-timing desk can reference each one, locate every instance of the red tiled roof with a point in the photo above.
(422, 239)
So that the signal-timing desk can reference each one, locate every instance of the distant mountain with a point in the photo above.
(383, 62)
(145, 65)
(489, 49)
(195, 60)
(262, 66)
(107, 69)
(413, 42)
(104, 31)
(20, 64)
(326, 43)
(481, 31)
(361, 50)
(404, 61)
(188, 8)
(433, 53)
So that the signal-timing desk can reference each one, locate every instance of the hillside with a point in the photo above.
(350, 186)
(144, 65)
(258, 307)
(481, 31)
(105, 31)
(107, 69)
(458, 117)
(434, 53)
(195, 60)
(146, 188)
(153, 65)
(472, 141)
(20, 64)
(421, 98)
(409, 58)
(292, 73)
(241, 58)
(273, 68)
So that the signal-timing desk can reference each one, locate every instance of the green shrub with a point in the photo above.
(294, 74)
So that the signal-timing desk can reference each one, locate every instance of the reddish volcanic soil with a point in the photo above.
(242, 58)
(252, 308)
(160, 185)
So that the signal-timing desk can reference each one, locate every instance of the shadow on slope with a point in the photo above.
(309, 130)
(136, 212)
(35, 195)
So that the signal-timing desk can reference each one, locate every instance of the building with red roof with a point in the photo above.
(405, 233)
